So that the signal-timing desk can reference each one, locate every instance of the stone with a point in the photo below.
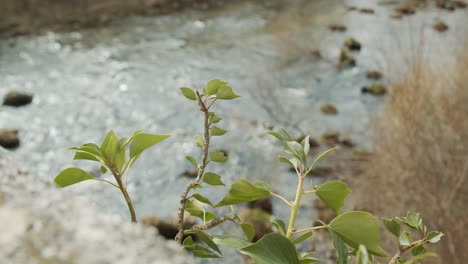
(16, 99)
(440, 26)
(337, 27)
(329, 109)
(347, 142)
(374, 75)
(42, 224)
(352, 44)
(367, 10)
(374, 89)
(190, 173)
(346, 60)
(9, 138)
(405, 10)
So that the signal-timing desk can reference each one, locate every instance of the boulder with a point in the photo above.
(16, 99)
(329, 109)
(9, 138)
(42, 224)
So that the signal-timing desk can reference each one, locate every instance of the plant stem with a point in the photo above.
(401, 250)
(295, 206)
(122, 188)
(281, 198)
(201, 170)
(309, 229)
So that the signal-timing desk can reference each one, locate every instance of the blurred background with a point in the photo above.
(385, 80)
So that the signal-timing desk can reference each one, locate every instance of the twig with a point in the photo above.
(401, 250)
(212, 223)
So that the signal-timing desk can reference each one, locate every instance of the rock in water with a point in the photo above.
(42, 224)
(17, 99)
(9, 138)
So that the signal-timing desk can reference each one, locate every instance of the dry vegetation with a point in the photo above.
(420, 161)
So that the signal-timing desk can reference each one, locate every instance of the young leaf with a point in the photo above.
(297, 151)
(212, 179)
(208, 240)
(231, 241)
(418, 250)
(142, 141)
(333, 193)
(109, 145)
(288, 136)
(225, 93)
(188, 93)
(341, 248)
(358, 228)
(188, 242)
(272, 248)
(242, 192)
(293, 161)
(192, 161)
(413, 220)
(306, 145)
(202, 252)
(213, 85)
(196, 209)
(279, 225)
(405, 239)
(90, 148)
(71, 176)
(276, 135)
(213, 118)
(85, 156)
(434, 236)
(199, 141)
(302, 237)
(216, 131)
(393, 226)
(249, 231)
(103, 170)
(321, 156)
(201, 198)
(218, 156)
(362, 257)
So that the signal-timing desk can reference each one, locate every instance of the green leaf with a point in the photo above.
(202, 252)
(425, 255)
(297, 151)
(201, 198)
(213, 118)
(272, 248)
(199, 141)
(262, 185)
(302, 237)
(218, 156)
(188, 242)
(333, 194)
(405, 239)
(109, 146)
(71, 176)
(84, 156)
(434, 236)
(341, 248)
(208, 240)
(242, 192)
(119, 159)
(293, 161)
(213, 85)
(358, 228)
(418, 250)
(309, 260)
(276, 135)
(225, 93)
(103, 170)
(362, 257)
(216, 131)
(279, 225)
(192, 161)
(196, 209)
(413, 220)
(90, 148)
(188, 93)
(143, 141)
(212, 179)
(249, 231)
(321, 156)
(306, 145)
(231, 241)
(393, 226)
(288, 136)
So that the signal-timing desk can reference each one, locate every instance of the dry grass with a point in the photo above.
(421, 156)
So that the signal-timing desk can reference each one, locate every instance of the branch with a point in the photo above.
(401, 250)
(212, 223)
(308, 229)
(282, 199)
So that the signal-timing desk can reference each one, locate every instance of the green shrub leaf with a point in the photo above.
(196, 209)
(218, 156)
(279, 225)
(212, 179)
(358, 228)
(213, 118)
(199, 141)
(362, 257)
(341, 248)
(242, 192)
(272, 248)
(216, 131)
(393, 226)
(208, 240)
(192, 161)
(333, 194)
(231, 241)
(85, 156)
(225, 93)
(434, 236)
(418, 250)
(302, 237)
(201, 198)
(188, 93)
(405, 239)
(213, 85)
(71, 176)
(249, 231)
(109, 146)
(143, 141)
(296, 149)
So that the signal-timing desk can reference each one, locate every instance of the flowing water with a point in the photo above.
(126, 76)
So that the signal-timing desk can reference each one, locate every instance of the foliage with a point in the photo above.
(354, 233)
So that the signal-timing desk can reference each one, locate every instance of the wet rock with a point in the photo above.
(331, 138)
(329, 109)
(17, 99)
(259, 219)
(41, 224)
(346, 60)
(405, 10)
(367, 10)
(374, 89)
(166, 229)
(9, 138)
(347, 142)
(264, 204)
(190, 173)
(337, 27)
(374, 75)
(352, 44)
(440, 26)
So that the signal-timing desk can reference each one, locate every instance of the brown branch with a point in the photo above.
(402, 250)
(210, 224)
